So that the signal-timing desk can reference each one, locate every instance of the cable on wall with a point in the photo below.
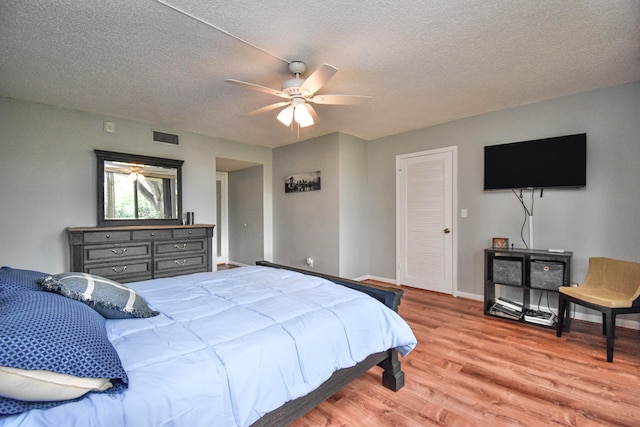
(215, 27)
(528, 214)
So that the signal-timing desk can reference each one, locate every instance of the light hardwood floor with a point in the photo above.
(473, 370)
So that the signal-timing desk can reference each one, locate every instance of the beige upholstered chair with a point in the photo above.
(611, 287)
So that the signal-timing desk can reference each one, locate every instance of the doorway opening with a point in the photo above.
(240, 212)
(222, 214)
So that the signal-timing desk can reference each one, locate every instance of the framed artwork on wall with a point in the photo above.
(302, 182)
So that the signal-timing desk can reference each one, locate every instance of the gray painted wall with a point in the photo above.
(246, 211)
(307, 224)
(354, 215)
(599, 220)
(48, 176)
(329, 225)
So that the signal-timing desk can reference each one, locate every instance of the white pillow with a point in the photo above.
(45, 386)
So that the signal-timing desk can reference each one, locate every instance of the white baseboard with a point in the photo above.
(468, 296)
(597, 318)
(376, 278)
(393, 282)
(239, 264)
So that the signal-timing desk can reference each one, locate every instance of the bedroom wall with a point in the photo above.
(245, 216)
(48, 176)
(329, 225)
(354, 216)
(307, 224)
(599, 220)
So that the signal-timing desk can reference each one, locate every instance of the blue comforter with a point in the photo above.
(229, 347)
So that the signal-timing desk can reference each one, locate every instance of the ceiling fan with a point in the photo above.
(299, 95)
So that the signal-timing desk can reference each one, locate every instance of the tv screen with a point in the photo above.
(551, 162)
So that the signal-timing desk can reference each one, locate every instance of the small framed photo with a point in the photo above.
(302, 182)
(500, 243)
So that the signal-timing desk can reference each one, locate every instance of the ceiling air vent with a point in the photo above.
(167, 138)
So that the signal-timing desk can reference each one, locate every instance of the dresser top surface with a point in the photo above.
(137, 227)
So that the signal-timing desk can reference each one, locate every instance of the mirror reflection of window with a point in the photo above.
(137, 191)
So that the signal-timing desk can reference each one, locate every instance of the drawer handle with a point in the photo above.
(153, 234)
(184, 261)
(115, 251)
(184, 246)
(107, 236)
(122, 270)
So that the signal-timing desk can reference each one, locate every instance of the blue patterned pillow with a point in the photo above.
(111, 299)
(45, 331)
(14, 279)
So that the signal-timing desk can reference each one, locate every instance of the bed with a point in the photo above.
(252, 346)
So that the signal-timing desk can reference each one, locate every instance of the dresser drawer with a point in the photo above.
(122, 272)
(178, 263)
(151, 234)
(119, 252)
(179, 247)
(189, 232)
(106, 236)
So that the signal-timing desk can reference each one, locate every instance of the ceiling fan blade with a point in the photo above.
(339, 99)
(317, 79)
(259, 88)
(268, 108)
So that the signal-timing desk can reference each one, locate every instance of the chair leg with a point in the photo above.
(610, 330)
(562, 308)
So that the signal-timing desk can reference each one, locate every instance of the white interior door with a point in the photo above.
(222, 226)
(425, 219)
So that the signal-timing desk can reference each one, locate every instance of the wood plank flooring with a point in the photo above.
(473, 370)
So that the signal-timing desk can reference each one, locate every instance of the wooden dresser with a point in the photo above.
(133, 253)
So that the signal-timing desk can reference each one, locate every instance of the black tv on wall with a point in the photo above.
(542, 163)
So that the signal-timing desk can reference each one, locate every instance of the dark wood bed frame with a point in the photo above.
(392, 375)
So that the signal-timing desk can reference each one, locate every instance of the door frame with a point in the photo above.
(223, 221)
(454, 210)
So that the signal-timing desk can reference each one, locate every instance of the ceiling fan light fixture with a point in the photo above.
(136, 176)
(286, 116)
(302, 116)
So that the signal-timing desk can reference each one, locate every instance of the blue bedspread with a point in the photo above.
(229, 347)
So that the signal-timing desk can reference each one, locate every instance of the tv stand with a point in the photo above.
(519, 273)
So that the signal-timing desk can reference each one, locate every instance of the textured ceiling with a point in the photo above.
(423, 61)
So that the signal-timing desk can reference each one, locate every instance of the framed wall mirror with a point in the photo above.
(138, 190)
